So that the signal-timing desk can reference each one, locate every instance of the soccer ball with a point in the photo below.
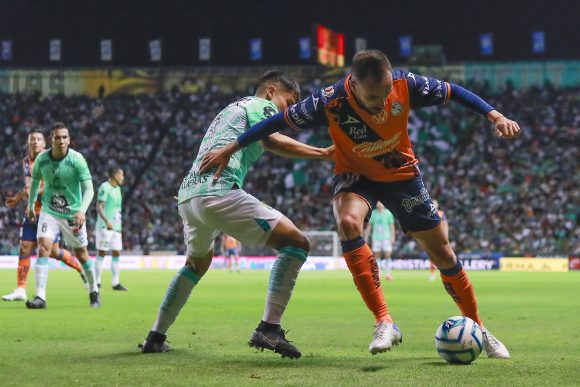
(459, 340)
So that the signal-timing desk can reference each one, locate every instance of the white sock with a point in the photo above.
(41, 276)
(99, 268)
(282, 280)
(175, 298)
(115, 270)
(90, 274)
(389, 265)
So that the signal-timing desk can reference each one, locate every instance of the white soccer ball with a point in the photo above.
(459, 340)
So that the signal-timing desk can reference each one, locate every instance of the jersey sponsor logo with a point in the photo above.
(269, 111)
(439, 90)
(357, 132)
(381, 117)
(425, 88)
(370, 149)
(58, 203)
(396, 108)
(295, 116)
(414, 201)
(412, 76)
(305, 111)
(193, 178)
(328, 92)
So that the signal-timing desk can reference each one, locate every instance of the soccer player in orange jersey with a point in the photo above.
(231, 248)
(367, 116)
(35, 144)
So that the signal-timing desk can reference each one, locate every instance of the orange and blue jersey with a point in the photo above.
(27, 167)
(378, 146)
(231, 242)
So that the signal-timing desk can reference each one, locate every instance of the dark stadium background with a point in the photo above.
(131, 24)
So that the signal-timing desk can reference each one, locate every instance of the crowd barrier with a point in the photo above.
(470, 262)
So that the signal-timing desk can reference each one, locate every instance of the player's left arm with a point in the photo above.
(288, 147)
(88, 192)
(393, 232)
(426, 91)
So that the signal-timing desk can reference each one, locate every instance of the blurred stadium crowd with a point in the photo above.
(517, 197)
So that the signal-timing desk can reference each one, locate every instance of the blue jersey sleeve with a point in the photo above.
(307, 113)
(425, 91)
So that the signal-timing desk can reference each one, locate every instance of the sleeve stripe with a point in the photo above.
(448, 98)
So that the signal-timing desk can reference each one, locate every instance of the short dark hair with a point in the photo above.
(57, 125)
(113, 170)
(277, 76)
(370, 63)
(35, 130)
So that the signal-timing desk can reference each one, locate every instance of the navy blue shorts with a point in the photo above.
(231, 252)
(28, 231)
(408, 200)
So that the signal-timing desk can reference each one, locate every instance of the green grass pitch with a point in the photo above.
(537, 315)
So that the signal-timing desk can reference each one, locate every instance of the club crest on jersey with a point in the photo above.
(328, 92)
(396, 108)
(381, 117)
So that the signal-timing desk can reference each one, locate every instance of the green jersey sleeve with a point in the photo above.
(103, 193)
(259, 110)
(83, 168)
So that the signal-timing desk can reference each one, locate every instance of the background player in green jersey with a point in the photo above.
(381, 228)
(68, 192)
(109, 226)
(207, 207)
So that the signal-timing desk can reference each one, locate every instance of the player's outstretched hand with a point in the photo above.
(329, 152)
(79, 219)
(32, 216)
(506, 128)
(218, 158)
(12, 201)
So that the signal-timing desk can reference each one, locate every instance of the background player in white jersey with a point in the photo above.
(68, 192)
(381, 228)
(207, 207)
(109, 226)
(35, 144)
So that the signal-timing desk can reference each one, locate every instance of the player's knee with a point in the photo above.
(44, 251)
(350, 224)
(301, 241)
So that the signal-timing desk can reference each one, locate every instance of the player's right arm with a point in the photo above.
(308, 113)
(101, 199)
(34, 190)
(288, 147)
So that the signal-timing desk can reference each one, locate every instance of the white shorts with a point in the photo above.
(237, 214)
(108, 240)
(49, 226)
(384, 246)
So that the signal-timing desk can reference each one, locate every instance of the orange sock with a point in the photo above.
(365, 273)
(460, 289)
(69, 260)
(22, 271)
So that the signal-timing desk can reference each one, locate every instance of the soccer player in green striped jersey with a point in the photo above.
(208, 207)
(68, 192)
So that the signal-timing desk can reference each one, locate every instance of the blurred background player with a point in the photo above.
(367, 114)
(445, 228)
(231, 248)
(208, 206)
(68, 192)
(35, 144)
(381, 228)
(109, 226)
